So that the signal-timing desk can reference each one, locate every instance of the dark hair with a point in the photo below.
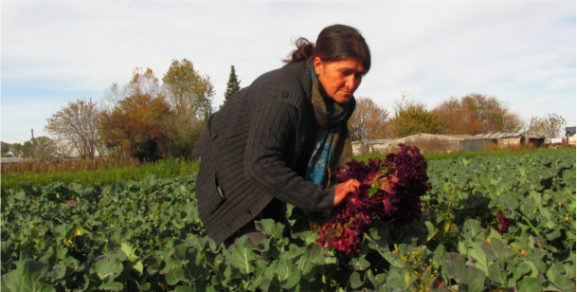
(334, 43)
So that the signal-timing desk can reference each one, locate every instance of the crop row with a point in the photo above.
(488, 223)
(167, 168)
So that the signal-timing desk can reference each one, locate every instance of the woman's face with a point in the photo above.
(340, 78)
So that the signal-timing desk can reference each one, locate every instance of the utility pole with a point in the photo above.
(33, 146)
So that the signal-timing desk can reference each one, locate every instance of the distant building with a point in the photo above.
(11, 159)
(518, 139)
(570, 135)
(427, 143)
(368, 146)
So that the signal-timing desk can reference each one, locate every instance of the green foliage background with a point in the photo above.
(146, 236)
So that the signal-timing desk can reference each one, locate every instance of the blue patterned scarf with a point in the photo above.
(330, 116)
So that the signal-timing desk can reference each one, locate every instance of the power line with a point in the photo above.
(14, 139)
(12, 134)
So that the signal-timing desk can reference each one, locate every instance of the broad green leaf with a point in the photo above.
(360, 263)
(129, 251)
(288, 274)
(108, 266)
(455, 264)
(270, 227)
(331, 260)
(529, 284)
(475, 279)
(391, 258)
(57, 272)
(480, 259)
(293, 252)
(242, 257)
(439, 259)
(26, 277)
(396, 280)
(174, 276)
(494, 249)
(313, 256)
(112, 286)
(521, 270)
(564, 282)
(356, 281)
(184, 289)
(497, 274)
(134, 260)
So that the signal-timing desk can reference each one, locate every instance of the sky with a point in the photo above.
(53, 52)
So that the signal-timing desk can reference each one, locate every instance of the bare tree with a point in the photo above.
(112, 95)
(143, 83)
(549, 126)
(369, 121)
(77, 125)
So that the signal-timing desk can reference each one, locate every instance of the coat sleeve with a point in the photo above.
(272, 126)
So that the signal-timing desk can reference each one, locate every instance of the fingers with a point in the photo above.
(354, 183)
(343, 189)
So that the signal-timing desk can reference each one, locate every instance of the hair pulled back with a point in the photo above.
(334, 43)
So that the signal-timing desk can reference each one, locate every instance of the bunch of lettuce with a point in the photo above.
(390, 190)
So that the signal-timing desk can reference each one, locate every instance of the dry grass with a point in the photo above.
(68, 165)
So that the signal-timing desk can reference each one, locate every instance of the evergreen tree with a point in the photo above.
(232, 86)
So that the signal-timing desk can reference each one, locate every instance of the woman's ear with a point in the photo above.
(318, 65)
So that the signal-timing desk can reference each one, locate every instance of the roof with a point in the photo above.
(435, 136)
(372, 142)
(11, 159)
(570, 129)
(500, 135)
(440, 136)
(508, 135)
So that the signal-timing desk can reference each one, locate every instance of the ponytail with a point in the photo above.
(303, 51)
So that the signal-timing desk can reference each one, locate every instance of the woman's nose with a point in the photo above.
(352, 82)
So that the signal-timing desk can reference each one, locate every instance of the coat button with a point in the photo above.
(285, 94)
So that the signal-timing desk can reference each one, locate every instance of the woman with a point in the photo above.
(276, 141)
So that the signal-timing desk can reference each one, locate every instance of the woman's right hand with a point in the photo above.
(343, 189)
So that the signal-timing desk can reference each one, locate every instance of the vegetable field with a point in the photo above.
(502, 223)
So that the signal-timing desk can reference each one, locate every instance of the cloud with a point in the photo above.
(518, 51)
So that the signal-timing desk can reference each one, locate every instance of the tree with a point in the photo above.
(41, 148)
(190, 95)
(77, 125)
(183, 131)
(136, 127)
(5, 147)
(16, 150)
(476, 114)
(112, 95)
(451, 117)
(369, 120)
(188, 91)
(233, 85)
(412, 118)
(142, 83)
(549, 126)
